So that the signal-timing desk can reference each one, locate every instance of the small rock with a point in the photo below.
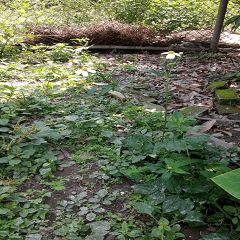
(194, 110)
(226, 109)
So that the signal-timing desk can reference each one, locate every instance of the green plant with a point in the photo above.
(235, 20)
(7, 91)
(168, 63)
(56, 185)
(228, 181)
(24, 214)
(127, 230)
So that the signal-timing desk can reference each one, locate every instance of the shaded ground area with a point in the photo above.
(188, 88)
(113, 33)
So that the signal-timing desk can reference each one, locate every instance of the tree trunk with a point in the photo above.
(218, 25)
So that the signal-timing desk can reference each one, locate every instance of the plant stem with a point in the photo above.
(167, 93)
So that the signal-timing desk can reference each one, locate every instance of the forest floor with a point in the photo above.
(188, 87)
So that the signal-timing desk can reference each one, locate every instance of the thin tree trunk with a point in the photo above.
(218, 25)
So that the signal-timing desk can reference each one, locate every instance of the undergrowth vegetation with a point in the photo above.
(63, 104)
(55, 98)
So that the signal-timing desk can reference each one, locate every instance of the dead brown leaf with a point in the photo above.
(228, 133)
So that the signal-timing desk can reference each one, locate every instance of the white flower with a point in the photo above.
(85, 72)
(170, 55)
(80, 48)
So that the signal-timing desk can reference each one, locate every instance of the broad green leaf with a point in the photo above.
(4, 211)
(156, 198)
(62, 231)
(81, 195)
(144, 188)
(230, 182)
(94, 200)
(186, 206)
(67, 164)
(143, 207)
(91, 91)
(156, 233)
(47, 132)
(34, 237)
(65, 132)
(16, 150)
(166, 176)
(91, 216)
(158, 147)
(159, 185)
(230, 209)
(83, 210)
(117, 140)
(99, 210)
(40, 125)
(102, 193)
(4, 129)
(176, 228)
(179, 235)
(193, 216)
(173, 185)
(107, 134)
(15, 237)
(134, 143)
(14, 162)
(215, 236)
(171, 204)
(163, 222)
(4, 160)
(235, 220)
(38, 141)
(100, 227)
(24, 213)
(177, 116)
(4, 122)
(72, 118)
(6, 189)
(28, 152)
(174, 145)
(19, 221)
(45, 171)
(124, 225)
(106, 202)
(135, 158)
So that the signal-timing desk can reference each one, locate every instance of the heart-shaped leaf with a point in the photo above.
(91, 216)
(143, 207)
